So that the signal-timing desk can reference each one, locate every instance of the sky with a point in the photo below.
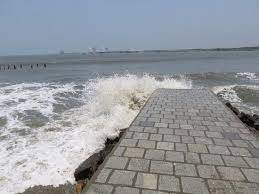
(47, 26)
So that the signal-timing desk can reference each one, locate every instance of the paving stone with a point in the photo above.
(254, 152)
(194, 185)
(231, 135)
(198, 148)
(192, 158)
(136, 128)
(154, 192)
(174, 156)
(211, 159)
(148, 181)
(139, 165)
(181, 147)
(126, 190)
(165, 145)
(138, 135)
(166, 120)
(128, 134)
(245, 188)
(236, 124)
(240, 143)
(253, 162)
(203, 140)
(119, 151)
(234, 161)
(169, 183)
(162, 125)
(99, 189)
(147, 124)
(207, 171)
(155, 154)
(180, 132)
(222, 142)
(161, 167)
(221, 124)
(185, 169)
(128, 142)
(165, 131)
(197, 133)
(174, 126)
(172, 138)
(134, 152)
(187, 139)
(146, 144)
(156, 137)
(252, 175)
(184, 126)
(236, 151)
(116, 162)
(150, 130)
(230, 173)
(220, 186)
(255, 144)
(103, 175)
(153, 119)
(122, 177)
(214, 134)
(215, 149)
(200, 127)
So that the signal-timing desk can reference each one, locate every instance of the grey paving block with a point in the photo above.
(136, 128)
(147, 181)
(234, 161)
(162, 125)
(230, 173)
(155, 154)
(122, 177)
(165, 145)
(103, 175)
(126, 190)
(211, 159)
(165, 131)
(169, 183)
(138, 135)
(172, 138)
(207, 171)
(134, 152)
(181, 147)
(181, 132)
(185, 169)
(174, 126)
(129, 134)
(156, 137)
(146, 144)
(194, 185)
(150, 130)
(240, 143)
(251, 174)
(154, 192)
(198, 148)
(253, 162)
(186, 126)
(214, 134)
(139, 165)
(174, 156)
(187, 139)
(146, 123)
(161, 167)
(116, 162)
(215, 149)
(236, 151)
(245, 188)
(119, 151)
(231, 135)
(203, 140)
(192, 158)
(220, 186)
(128, 142)
(222, 142)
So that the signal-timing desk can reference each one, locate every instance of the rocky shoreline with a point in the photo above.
(252, 121)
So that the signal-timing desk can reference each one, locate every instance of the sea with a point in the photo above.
(52, 118)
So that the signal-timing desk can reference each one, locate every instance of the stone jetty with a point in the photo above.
(182, 141)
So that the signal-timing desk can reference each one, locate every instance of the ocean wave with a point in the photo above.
(49, 153)
(247, 75)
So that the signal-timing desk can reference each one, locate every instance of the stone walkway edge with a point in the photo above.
(182, 141)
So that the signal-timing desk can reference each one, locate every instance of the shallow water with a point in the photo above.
(53, 118)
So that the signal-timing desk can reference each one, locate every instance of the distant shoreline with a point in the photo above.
(247, 48)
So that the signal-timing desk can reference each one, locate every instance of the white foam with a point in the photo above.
(248, 75)
(50, 157)
(227, 92)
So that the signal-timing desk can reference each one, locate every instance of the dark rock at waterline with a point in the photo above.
(251, 121)
(87, 168)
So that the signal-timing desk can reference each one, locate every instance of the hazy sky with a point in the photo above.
(46, 26)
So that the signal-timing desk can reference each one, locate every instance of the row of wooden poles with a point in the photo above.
(4, 67)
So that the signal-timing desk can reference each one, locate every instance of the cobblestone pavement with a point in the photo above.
(182, 141)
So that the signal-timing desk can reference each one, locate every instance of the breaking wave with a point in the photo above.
(48, 129)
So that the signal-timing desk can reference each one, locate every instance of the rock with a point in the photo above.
(256, 117)
(247, 119)
(234, 109)
(256, 125)
(80, 186)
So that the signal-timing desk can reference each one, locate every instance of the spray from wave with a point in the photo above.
(48, 153)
